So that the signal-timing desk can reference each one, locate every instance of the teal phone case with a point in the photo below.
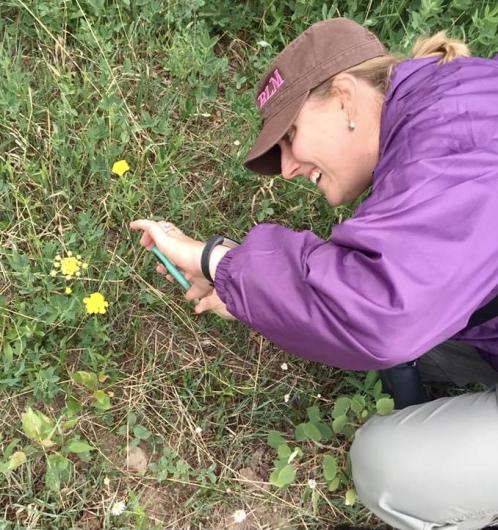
(177, 275)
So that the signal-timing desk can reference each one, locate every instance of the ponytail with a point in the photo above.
(440, 44)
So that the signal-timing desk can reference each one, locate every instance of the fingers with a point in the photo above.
(198, 291)
(153, 233)
(208, 303)
(183, 251)
(146, 241)
(142, 224)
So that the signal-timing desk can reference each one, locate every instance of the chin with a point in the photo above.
(334, 200)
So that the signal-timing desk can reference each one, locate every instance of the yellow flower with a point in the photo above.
(70, 266)
(120, 167)
(68, 290)
(95, 303)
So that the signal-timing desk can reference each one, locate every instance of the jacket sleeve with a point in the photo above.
(400, 277)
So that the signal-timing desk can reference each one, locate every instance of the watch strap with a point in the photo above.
(206, 254)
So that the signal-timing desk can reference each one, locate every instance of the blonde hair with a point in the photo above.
(377, 71)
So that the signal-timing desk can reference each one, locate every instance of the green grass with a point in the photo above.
(168, 86)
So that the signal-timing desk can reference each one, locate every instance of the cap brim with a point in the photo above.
(264, 156)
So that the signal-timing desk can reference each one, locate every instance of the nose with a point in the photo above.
(290, 167)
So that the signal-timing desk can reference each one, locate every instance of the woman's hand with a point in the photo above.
(212, 302)
(185, 253)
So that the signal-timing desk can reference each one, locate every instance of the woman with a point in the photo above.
(398, 279)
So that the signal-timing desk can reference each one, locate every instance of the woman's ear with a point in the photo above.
(345, 88)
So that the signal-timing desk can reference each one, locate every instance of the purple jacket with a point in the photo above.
(420, 254)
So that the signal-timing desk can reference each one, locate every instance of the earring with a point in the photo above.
(351, 125)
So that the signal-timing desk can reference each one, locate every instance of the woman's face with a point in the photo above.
(321, 147)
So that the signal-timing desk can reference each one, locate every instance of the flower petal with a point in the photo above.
(120, 167)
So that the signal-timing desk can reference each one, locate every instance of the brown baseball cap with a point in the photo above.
(323, 50)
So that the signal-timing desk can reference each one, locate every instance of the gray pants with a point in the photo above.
(435, 465)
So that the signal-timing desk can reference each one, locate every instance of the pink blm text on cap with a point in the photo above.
(273, 84)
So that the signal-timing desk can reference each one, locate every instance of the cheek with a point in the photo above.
(299, 149)
(310, 148)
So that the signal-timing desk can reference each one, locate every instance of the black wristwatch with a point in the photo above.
(206, 253)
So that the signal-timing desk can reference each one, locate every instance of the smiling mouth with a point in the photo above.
(315, 176)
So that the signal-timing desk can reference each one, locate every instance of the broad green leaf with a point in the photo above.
(339, 423)
(132, 418)
(72, 407)
(102, 400)
(384, 406)
(285, 476)
(334, 484)
(299, 433)
(329, 468)
(341, 406)
(312, 432)
(123, 429)
(274, 477)
(31, 424)
(284, 451)
(10, 447)
(357, 403)
(325, 430)
(69, 424)
(377, 389)
(16, 460)
(57, 470)
(350, 497)
(141, 432)
(348, 430)
(275, 439)
(313, 414)
(86, 379)
(370, 379)
(78, 446)
(38, 427)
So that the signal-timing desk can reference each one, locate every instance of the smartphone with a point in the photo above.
(177, 275)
